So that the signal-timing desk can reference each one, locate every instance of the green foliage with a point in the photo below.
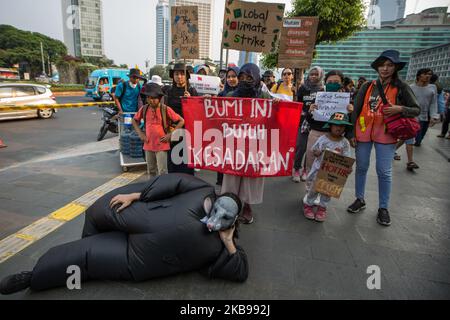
(338, 20)
(161, 71)
(19, 46)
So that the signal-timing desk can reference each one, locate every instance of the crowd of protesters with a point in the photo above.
(361, 126)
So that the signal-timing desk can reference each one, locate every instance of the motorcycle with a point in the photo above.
(110, 120)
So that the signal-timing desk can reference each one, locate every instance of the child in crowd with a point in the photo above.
(158, 119)
(332, 141)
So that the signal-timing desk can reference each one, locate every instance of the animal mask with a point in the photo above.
(223, 213)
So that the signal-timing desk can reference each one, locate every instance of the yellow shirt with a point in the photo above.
(282, 90)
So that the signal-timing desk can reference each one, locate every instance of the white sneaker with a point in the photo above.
(304, 176)
(296, 175)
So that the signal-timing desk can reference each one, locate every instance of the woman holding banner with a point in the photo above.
(231, 83)
(250, 190)
(180, 88)
(307, 95)
(370, 129)
(333, 83)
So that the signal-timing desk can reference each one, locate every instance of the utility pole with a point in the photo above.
(49, 66)
(42, 56)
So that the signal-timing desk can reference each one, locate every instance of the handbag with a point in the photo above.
(398, 126)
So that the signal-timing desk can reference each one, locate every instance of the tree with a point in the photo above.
(161, 71)
(338, 20)
(20, 46)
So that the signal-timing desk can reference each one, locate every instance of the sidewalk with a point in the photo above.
(289, 256)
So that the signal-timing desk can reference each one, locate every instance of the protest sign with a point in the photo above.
(298, 38)
(205, 84)
(185, 36)
(282, 96)
(252, 26)
(333, 173)
(241, 136)
(329, 103)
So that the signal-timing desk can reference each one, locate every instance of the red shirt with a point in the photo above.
(154, 129)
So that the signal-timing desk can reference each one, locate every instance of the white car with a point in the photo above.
(18, 94)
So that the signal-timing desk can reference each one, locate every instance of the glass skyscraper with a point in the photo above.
(413, 33)
(162, 32)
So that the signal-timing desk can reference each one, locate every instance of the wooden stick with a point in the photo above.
(185, 75)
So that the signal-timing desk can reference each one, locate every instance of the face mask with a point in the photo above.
(223, 214)
(333, 87)
(133, 85)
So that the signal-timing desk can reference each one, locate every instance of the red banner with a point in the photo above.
(241, 136)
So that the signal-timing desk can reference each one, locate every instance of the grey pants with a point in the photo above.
(156, 163)
(300, 148)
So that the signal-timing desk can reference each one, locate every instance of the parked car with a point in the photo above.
(18, 94)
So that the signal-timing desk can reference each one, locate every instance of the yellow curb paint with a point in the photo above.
(25, 237)
(15, 243)
(68, 212)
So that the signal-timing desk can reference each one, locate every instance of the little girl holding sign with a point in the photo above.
(333, 141)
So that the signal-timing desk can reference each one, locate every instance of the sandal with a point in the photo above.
(397, 156)
(412, 165)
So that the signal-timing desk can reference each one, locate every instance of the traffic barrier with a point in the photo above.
(55, 106)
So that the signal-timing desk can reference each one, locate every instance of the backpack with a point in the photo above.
(168, 125)
(124, 84)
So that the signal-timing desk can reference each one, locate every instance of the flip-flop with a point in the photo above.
(397, 157)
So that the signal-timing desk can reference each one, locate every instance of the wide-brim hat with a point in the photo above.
(392, 55)
(135, 73)
(179, 67)
(156, 79)
(152, 90)
(338, 118)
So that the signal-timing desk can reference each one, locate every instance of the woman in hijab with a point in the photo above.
(231, 83)
(307, 95)
(250, 190)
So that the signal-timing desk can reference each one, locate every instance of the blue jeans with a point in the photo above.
(384, 154)
(423, 131)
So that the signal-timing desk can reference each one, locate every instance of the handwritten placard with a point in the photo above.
(333, 174)
(329, 103)
(185, 36)
(252, 26)
(298, 38)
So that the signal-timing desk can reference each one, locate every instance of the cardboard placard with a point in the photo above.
(333, 174)
(298, 38)
(185, 35)
(205, 84)
(252, 26)
(329, 103)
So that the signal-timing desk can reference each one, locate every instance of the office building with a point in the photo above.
(163, 54)
(436, 58)
(82, 27)
(390, 10)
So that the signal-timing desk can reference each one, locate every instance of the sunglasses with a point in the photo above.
(287, 73)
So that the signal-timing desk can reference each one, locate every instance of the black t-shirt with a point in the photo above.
(308, 98)
(174, 95)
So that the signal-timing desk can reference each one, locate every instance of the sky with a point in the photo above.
(129, 26)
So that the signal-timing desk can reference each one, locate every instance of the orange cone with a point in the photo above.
(2, 145)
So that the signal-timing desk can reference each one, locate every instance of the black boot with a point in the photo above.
(16, 282)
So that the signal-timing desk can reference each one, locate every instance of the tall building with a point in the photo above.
(204, 23)
(252, 57)
(82, 27)
(416, 32)
(436, 58)
(163, 47)
(390, 10)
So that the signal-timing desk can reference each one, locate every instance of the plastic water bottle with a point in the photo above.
(125, 141)
(136, 145)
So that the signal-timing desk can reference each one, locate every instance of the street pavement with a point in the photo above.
(289, 257)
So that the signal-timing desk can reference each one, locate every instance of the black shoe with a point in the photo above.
(357, 206)
(16, 282)
(417, 144)
(383, 217)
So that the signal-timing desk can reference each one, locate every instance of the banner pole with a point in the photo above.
(185, 75)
